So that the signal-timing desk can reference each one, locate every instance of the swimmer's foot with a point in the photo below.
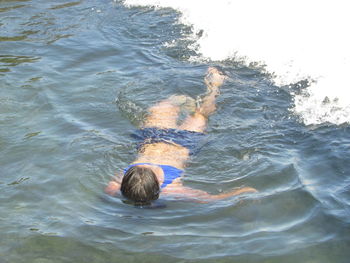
(214, 79)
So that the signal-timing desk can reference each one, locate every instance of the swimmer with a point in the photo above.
(167, 146)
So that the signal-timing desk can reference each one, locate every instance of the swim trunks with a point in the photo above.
(188, 139)
(170, 172)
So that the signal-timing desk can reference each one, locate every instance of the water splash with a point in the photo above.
(294, 40)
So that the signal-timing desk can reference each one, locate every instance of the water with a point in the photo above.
(294, 41)
(63, 65)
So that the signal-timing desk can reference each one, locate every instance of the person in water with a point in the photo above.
(165, 148)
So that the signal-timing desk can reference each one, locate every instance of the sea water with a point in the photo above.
(293, 40)
(77, 77)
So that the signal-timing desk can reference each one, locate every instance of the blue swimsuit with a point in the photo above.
(170, 172)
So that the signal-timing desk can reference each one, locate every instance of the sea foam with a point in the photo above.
(296, 40)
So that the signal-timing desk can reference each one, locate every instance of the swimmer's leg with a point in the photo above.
(184, 102)
(198, 121)
(163, 115)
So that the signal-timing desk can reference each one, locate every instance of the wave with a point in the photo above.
(294, 40)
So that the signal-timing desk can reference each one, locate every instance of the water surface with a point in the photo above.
(63, 65)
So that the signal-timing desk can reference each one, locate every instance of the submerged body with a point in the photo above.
(167, 146)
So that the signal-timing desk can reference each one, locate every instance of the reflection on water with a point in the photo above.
(63, 65)
(11, 61)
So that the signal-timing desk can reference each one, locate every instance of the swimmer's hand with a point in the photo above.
(113, 186)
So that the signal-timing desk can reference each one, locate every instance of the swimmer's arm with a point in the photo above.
(113, 186)
(202, 196)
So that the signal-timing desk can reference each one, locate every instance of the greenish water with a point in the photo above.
(62, 67)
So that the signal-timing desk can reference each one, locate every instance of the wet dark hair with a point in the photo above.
(140, 184)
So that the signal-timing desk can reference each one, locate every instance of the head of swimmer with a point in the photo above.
(140, 184)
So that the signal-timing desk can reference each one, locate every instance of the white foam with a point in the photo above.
(295, 39)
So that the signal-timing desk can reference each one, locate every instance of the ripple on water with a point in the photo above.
(62, 137)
